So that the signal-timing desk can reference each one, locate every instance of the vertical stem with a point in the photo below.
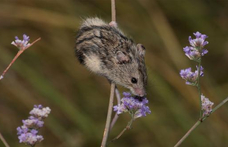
(118, 102)
(109, 115)
(117, 95)
(4, 141)
(110, 107)
(113, 10)
(199, 88)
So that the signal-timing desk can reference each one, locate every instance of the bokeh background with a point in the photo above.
(49, 74)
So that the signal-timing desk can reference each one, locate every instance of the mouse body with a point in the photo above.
(106, 51)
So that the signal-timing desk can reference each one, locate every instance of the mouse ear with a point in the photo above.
(141, 49)
(121, 57)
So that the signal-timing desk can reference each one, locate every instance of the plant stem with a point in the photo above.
(188, 133)
(113, 87)
(199, 122)
(15, 58)
(116, 115)
(109, 115)
(4, 141)
(126, 128)
(198, 87)
(113, 10)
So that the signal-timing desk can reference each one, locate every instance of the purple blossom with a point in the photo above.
(191, 77)
(40, 112)
(206, 106)
(191, 53)
(27, 133)
(132, 105)
(196, 50)
(21, 44)
(199, 42)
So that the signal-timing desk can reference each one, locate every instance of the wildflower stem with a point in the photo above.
(219, 105)
(113, 10)
(113, 88)
(15, 58)
(126, 128)
(199, 88)
(118, 102)
(109, 115)
(199, 122)
(4, 141)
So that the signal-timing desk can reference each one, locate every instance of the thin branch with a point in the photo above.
(219, 105)
(113, 87)
(15, 58)
(188, 133)
(199, 122)
(117, 95)
(109, 115)
(4, 141)
(199, 89)
(125, 129)
(114, 121)
(118, 102)
(113, 10)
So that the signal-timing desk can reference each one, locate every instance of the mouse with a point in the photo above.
(104, 49)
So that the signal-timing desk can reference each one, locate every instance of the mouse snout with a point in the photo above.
(139, 92)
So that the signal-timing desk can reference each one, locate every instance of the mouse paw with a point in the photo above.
(113, 24)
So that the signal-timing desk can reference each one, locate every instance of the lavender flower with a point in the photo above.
(27, 133)
(191, 77)
(135, 107)
(21, 44)
(196, 50)
(206, 106)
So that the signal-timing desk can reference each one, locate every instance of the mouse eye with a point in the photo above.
(134, 80)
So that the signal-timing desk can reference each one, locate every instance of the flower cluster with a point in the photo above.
(196, 50)
(132, 105)
(21, 44)
(27, 133)
(190, 77)
(206, 106)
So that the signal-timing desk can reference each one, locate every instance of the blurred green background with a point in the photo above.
(49, 74)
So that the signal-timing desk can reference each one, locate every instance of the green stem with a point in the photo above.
(199, 122)
(199, 88)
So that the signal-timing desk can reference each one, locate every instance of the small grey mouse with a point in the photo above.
(105, 50)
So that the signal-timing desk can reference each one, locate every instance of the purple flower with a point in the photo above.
(27, 133)
(191, 77)
(191, 53)
(40, 112)
(206, 106)
(33, 122)
(132, 105)
(196, 50)
(21, 44)
(199, 42)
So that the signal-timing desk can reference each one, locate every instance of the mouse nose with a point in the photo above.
(139, 98)
(139, 92)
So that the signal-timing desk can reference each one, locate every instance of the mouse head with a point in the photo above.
(131, 70)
